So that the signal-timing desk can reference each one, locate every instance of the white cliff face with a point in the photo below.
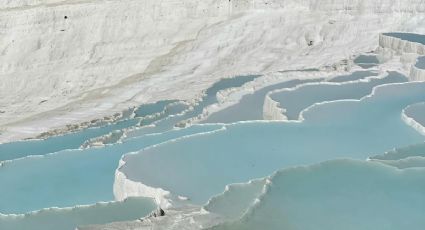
(53, 53)
(125, 188)
(417, 74)
(272, 110)
(400, 46)
(417, 71)
(56, 52)
(69, 61)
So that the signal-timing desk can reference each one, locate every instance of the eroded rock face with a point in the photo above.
(399, 45)
(417, 71)
(54, 50)
(58, 56)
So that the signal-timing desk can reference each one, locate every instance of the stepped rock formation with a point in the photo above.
(65, 61)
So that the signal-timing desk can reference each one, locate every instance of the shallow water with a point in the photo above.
(417, 112)
(87, 176)
(295, 101)
(169, 110)
(336, 195)
(411, 37)
(208, 99)
(420, 63)
(84, 176)
(74, 140)
(153, 108)
(366, 61)
(70, 218)
(256, 149)
(400, 153)
(201, 166)
(235, 201)
(14, 150)
(358, 75)
(250, 107)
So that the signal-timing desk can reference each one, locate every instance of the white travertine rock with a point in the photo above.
(412, 115)
(68, 61)
(124, 188)
(272, 110)
(417, 73)
(401, 46)
(413, 123)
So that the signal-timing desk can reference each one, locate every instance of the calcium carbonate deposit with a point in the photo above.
(212, 114)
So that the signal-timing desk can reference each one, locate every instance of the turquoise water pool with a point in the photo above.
(417, 112)
(294, 101)
(70, 218)
(250, 107)
(199, 167)
(420, 62)
(256, 149)
(84, 176)
(74, 140)
(411, 37)
(366, 61)
(208, 99)
(340, 194)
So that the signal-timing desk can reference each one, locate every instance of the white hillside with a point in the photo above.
(69, 61)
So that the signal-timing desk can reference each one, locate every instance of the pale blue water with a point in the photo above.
(74, 140)
(403, 152)
(200, 166)
(83, 176)
(345, 129)
(420, 63)
(250, 107)
(417, 112)
(153, 108)
(342, 194)
(86, 176)
(411, 37)
(171, 109)
(70, 218)
(297, 100)
(353, 77)
(236, 200)
(209, 99)
(366, 61)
